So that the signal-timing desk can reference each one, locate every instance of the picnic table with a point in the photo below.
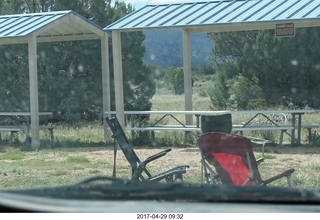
(17, 126)
(294, 126)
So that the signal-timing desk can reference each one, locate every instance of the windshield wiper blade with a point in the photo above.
(108, 188)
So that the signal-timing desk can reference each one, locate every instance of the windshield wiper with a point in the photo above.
(109, 188)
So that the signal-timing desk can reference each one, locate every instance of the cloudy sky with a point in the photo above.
(140, 3)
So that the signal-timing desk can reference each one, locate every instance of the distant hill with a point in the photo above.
(164, 48)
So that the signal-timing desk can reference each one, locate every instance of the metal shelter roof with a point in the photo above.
(48, 27)
(209, 16)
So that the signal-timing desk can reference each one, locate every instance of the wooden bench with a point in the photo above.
(24, 129)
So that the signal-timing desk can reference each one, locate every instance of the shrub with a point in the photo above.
(247, 94)
(219, 93)
(174, 79)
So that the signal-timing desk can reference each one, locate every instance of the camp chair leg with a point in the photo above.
(245, 182)
(202, 167)
(263, 150)
(289, 181)
(209, 175)
(178, 177)
(169, 179)
(249, 164)
(204, 171)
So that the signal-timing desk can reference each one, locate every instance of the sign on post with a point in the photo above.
(285, 30)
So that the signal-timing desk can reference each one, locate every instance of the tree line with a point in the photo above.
(250, 69)
(69, 73)
(256, 69)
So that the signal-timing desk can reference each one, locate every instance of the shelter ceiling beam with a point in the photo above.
(24, 40)
(86, 25)
(250, 26)
(68, 38)
(51, 26)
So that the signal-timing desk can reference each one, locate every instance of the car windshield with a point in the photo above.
(180, 103)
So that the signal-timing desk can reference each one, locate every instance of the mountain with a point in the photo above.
(164, 48)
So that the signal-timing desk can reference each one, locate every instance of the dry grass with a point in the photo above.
(66, 166)
(84, 155)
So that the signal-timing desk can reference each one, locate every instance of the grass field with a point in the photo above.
(52, 167)
(80, 152)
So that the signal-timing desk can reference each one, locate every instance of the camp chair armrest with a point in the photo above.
(156, 156)
(144, 163)
(260, 160)
(286, 173)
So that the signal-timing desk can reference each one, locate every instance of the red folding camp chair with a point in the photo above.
(233, 159)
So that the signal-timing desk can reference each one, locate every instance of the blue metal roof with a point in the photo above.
(198, 16)
(24, 24)
(46, 25)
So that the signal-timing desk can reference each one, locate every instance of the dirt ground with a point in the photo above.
(301, 158)
(190, 155)
(304, 159)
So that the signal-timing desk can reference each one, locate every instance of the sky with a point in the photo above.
(140, 3)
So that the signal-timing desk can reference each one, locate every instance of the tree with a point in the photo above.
(286, 68)
(206, 69)
(139, 83)
(247, 95)
(69, 73)
(12, 7)
(228, 46)
(14, 91)
(219, 93)
(174, 79)
(230, 68)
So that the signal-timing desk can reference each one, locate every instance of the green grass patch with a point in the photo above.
(78, 159)
(94, 171)
(12, 154)
(316, 168)
(59, 173)
(269, 156)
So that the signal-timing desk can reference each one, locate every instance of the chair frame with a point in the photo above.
(139, 170)
(206, 143)
(223, 123)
